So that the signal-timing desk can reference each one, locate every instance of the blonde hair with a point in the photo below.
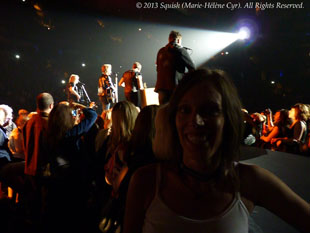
(73, 78)
(137, 65)
(106, 69)
(124, 116)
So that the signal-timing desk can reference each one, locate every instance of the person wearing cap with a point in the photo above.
(132, 81)
(106, 88)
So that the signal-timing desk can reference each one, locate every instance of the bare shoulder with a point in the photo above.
(145, 174)
(255, 182)
(142, 184)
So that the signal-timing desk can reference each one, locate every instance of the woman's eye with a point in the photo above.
(211, 112)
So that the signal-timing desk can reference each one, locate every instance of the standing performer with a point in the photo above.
(106, 88)
(76, 91)
(132, 81)
(171, 63)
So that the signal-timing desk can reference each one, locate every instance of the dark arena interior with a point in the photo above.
(263, 46)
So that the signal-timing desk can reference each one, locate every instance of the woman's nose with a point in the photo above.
(199, 120)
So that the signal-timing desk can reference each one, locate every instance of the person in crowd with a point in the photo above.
(138, 152)
(34, 134)
(70, 168)
(6, 124)
(23, 112)
(6, 119)
(106, 88)
(102, 134)
(5, 159)
(132, 81)
(5, 154)
(202, 187)
(268, 123)
(280, 128)
(36, 153)
(297, 133)
(124, 115)
(16, 139)
(251, 131)
(258, 122)
(172, 62)
(12, 174)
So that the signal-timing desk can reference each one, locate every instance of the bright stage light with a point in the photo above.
(244, 33)
(63, 81)
(17, 56)
(83, 64)
(207, 43)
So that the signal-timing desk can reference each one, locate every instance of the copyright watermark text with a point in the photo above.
(215, 5)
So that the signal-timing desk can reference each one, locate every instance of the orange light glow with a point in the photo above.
(37, 7)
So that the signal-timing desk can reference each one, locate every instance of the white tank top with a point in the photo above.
(160, 218)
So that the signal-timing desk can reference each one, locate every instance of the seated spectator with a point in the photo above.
(280, 128)
(258, 120)
(202, 187)
(5, 154)
(253, 127)
(22, 112)
(297, 132)
(268, 124)
(16, 138)
(6, 119)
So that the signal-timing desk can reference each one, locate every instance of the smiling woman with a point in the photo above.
(202, 187)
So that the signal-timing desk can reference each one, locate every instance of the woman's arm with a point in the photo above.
(265, 189)
(90, 117)
(272, 134)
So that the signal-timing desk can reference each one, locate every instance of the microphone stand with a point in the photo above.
(88, 99)
(116, 88)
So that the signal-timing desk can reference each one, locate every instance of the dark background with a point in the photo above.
(53, 39)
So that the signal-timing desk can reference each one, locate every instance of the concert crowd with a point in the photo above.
(171, 167)
(80, 180)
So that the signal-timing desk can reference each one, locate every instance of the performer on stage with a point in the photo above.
(171, 63)
(132, 81)
(106, 88)
(76, 91)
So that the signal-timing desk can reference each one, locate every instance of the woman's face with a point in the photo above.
(200, 122)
